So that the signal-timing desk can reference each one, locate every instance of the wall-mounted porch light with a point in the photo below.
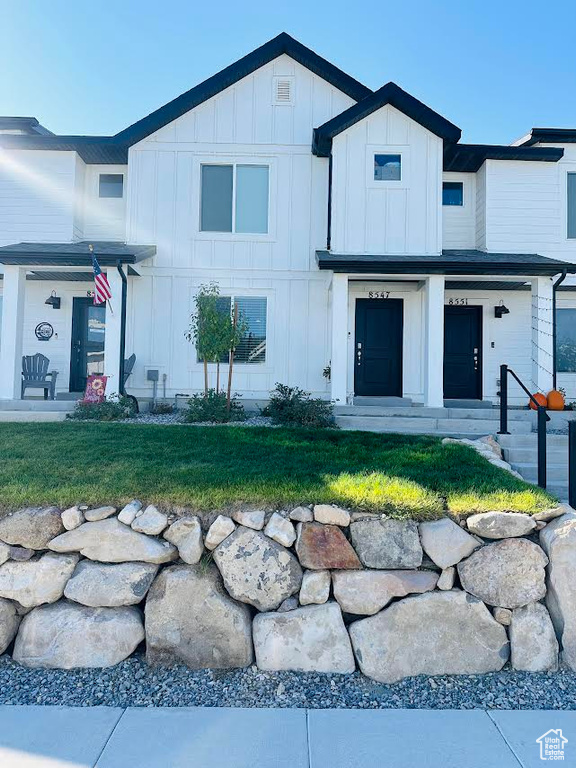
(501, 310)
(53, 300)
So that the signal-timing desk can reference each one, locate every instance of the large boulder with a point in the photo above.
(367, 592)
(533, 643)
(110, 585)
(34, 582)
(110, 541)
(190, 618)
(559, 542)
(509, 573)
(32, 527)
(310, 639)
(445, 542)
(324, 547)
(67, 635)
(438, 633)
(257, 570)
(387, 543)
(501, 525)
(9, 622)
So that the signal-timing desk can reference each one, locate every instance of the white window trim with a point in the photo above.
(110, 173)
(268, 365)
(403, 151)
(200, 234)
(464, 195)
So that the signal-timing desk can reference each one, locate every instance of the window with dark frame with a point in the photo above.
(111, 185)
(452, 193)
(387, 167)
(234, 198)
(566, 340)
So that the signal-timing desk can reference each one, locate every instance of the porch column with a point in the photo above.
(112, 335)
(542, 334)
(339, 362)
(12, 332)
(434, 342)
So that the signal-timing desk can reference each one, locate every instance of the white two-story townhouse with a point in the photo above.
(370, 252)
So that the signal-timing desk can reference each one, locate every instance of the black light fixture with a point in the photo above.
(53, 300)
(501, 310)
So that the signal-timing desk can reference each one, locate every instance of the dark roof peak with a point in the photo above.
(392, 94)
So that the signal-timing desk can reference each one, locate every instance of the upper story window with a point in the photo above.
(111, 185)
(234, 198)
(452, 193)
(387, 167)
(571, 205)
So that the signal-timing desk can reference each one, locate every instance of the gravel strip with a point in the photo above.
(134, 684)
(178, 418)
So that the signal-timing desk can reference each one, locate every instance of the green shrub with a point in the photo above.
(161, 408)
(292, 406)
(211, 407)
(108, 410)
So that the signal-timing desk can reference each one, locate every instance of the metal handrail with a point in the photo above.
(542, 419)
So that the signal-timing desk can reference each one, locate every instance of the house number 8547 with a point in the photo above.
(378, 294)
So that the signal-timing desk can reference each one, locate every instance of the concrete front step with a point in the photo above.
(554, 472)
(45, 406)
(31, 416)
(527, 455)
(440, 426)
(422, 412)
(531, 441)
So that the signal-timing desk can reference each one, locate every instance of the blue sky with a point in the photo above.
(494, 68)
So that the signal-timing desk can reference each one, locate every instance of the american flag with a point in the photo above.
(102, 290)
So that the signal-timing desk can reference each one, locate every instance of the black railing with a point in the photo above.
(572, 463)
(542, 419)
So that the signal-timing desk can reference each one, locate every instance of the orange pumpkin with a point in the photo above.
(540, 399)
(556, 400)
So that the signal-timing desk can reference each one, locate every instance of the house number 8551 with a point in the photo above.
(457, 302)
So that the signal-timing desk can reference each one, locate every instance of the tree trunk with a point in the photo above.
(231, 360)
(205, 378)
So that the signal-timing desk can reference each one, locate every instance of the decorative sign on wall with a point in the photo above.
(44, 331)
(95, 389)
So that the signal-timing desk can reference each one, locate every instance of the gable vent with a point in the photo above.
(283, 90)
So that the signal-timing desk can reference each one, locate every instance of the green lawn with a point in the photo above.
(205, 468)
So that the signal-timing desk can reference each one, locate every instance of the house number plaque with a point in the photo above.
(457, 302)
(378, 294)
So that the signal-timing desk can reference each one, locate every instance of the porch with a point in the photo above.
(47, 307)
(433, 331)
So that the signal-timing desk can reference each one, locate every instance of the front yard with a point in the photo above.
(206, 468)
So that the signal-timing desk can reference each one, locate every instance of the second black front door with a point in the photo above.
(87, 353)
(463, 353)
(378, 347)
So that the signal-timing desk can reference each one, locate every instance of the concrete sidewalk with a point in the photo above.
(105, 737)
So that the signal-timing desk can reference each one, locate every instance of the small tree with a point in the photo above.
(216, 330)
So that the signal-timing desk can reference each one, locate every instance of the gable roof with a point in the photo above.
(547, 136)
(389, 94)
(282, 44)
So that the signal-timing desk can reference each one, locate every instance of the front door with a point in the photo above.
(378, 347)
(87, 355)
(462, 353)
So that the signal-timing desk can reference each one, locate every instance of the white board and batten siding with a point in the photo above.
(459, 221)
(398, 217)
(243, 124)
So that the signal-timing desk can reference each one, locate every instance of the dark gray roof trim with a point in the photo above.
(468, 158)
(28, 124)
(282, 44)
(92, 149)
(548, 136)
(74, 254)
(389, 94)
(451, 262)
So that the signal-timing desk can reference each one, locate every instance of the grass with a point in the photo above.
(205, 468)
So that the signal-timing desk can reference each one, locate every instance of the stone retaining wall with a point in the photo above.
(314, 589)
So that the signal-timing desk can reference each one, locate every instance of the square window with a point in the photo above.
(111, 185)
(452, 193)
(387, 167)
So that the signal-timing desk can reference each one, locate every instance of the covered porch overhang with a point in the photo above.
(433, 275)
(61, 263)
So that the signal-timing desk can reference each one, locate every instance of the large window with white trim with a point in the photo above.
(253, 312)
(234, 198)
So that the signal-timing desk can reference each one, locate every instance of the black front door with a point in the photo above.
(378, 347)
(462, 353)
(87, 355)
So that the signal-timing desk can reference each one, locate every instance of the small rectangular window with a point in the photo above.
(111, 185)
(452, 193)
(234, 198)
(571, 205)
(387, 167)
(566, 340)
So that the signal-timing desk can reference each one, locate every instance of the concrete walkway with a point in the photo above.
(105, 737)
